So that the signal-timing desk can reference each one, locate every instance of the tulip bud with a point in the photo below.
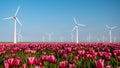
(24, 66)
(76, 57)
(63, 64)
(11, 61)
(65, 56)
(13, 55)
(52, 58)
(71, 66)
(69, 49)
(17, 62)
(6, 64)
(99, 63)
(6, 57)
(109, 66)
(31, 60)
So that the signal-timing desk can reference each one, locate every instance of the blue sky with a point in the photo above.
(40, 17)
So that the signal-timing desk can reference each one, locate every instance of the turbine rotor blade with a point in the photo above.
(113, 27)
(73, 29)
(8, 18)
(107, 26)
(18, 21)
(17, 11)
(81, 25)
(74, 20)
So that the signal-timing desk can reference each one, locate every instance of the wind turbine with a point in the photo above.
(16, 20)
(103, 38)
(19, 36)
(50, 35)
(76, 28)
(110, 31)
(114, 39)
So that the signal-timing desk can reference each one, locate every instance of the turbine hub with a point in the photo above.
(14, 17)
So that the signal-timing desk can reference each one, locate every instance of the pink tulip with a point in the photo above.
(107, 57)
(11, 61)
(63, 64)
(80, 53)
(13, 55)
(69, 49)
(61, 52)
(52, 58)
(6, 57)
(6, 64)
(118, 58)
(27, 51)
(17, 62)
(76, 57)
(33, 51)
(31, 60)
(24, 66)
(37, 61)
(71, 66)
(65, 56)
(45, 58)
(109, 66)
(99, 63)
(71, 61)
(118, 67)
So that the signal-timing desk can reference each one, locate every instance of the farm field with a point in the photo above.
(60, 55)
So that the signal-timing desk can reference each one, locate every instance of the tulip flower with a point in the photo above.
(65, 56)
(33, 51)
(69, 49)
(63, 64)
(17, 62)
(99, 63)
(31, 60)
(52, 58)
(107, 57)
(37, 61)
(118, 58)
(13, 55)
(108, 66)
(6, 64)
(24, 66)
(76, 57)
(71, 66)
(11, 62)
(6, 57)
(45, 58)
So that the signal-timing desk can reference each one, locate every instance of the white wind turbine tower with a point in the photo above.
(114, 39)
(110, 31)
(76, 28)
(16, 20)
(50, 36)
(103, 38)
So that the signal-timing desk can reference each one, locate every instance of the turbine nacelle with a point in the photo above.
(110, 28)
(14, 17)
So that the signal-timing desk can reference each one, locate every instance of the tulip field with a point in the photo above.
(60, 55)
